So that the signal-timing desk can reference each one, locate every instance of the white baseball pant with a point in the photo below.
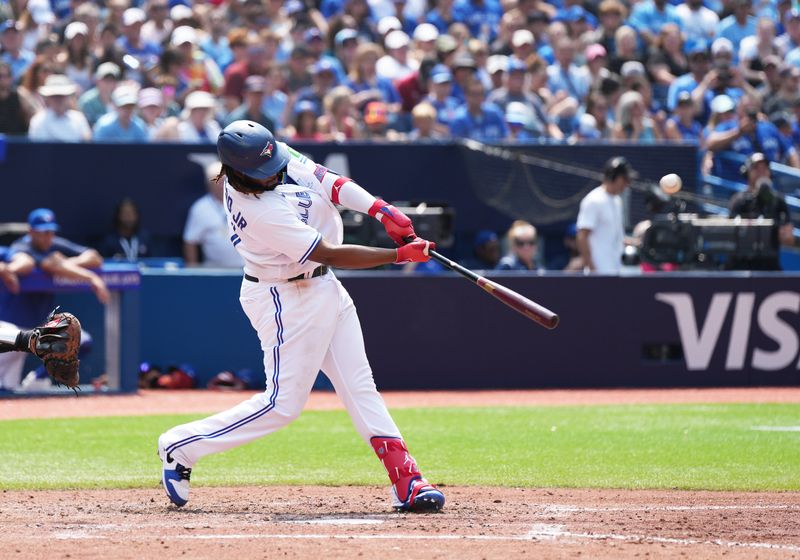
(303, 326)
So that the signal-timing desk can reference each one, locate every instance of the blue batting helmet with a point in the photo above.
(251, 149)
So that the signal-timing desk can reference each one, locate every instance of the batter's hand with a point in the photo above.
(397, 224)
(417, 250)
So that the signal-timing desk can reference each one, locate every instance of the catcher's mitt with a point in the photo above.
(56, 343)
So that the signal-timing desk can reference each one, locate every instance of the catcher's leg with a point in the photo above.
(12, 361)
(348, 369)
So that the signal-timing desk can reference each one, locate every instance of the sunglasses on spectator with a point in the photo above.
(523, 242)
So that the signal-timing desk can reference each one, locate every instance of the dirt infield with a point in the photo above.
(352, 522)
(308, 522)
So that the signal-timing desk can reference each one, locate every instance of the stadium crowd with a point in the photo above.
(722, 72)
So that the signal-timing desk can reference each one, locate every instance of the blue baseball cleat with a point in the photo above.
(423, 497)
(174, 478)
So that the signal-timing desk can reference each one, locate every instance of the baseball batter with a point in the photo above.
(283, 221)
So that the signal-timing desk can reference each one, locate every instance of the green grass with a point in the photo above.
(662, 446)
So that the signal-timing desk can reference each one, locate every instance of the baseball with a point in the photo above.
(670, 183)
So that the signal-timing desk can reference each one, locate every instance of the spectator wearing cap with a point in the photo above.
(396, 64)
(477, 119)
(565, 78)
(464, 72)
(520, 122)
(439, 97)
(485, 251)
(683, 125)
(13, 52)
(255, 62)
(723, 78)
(577, 20)
(304, 122)
(790, 39)
(698, 23)
(784, 97)
(496, 68)
(97, 101)
(132, 43)
(666, 62)
(425, 36)
(597, 62)
(424, 124)
(441, 15)
(739, 24)
(314, 41)
(253, 107)
(337, 122)
(522, 44)
(344, 53)
(749, 132)
(376, 122)
(514, 90)
(509, 23)
(632, 121)
(754, 49)
(364, 81)
(298, 69)
(115, 11)
(198, 71)
(151, 109)
(698, 61)
(323, 80)
(215, 43)
(649, 16)
(123, 125)
(482, 17)
(16, 105)
(158, 26)
(586, 129)
(59, 123)
(197, 123)
(77, 59)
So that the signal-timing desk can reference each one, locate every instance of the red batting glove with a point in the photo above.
(397, 224)
(418, 250)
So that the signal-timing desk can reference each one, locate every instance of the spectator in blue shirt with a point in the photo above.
(132, 44)
(648, 17)
(17, 57)
(478, 120)
(739, 24)
(122, 125)
(750, 132)
(564, 75)
(482, 17)
(682, 125)
(697, 54)
(442, 15)
(439, 94)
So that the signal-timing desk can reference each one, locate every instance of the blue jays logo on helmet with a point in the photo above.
(251, 149)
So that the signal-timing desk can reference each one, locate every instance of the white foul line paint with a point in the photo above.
(776, 428)
(553, 532)
(335, 521)
(563, 509)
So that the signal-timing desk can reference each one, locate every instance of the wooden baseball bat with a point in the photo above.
(515, 301)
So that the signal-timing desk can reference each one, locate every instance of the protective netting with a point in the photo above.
(547, 190)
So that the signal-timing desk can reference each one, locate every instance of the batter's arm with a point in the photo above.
(358, 256)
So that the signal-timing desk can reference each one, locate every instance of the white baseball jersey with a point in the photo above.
(304, 326)
(276, 232)
(601, 213)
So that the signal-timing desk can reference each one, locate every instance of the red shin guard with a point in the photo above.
(401, 467)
